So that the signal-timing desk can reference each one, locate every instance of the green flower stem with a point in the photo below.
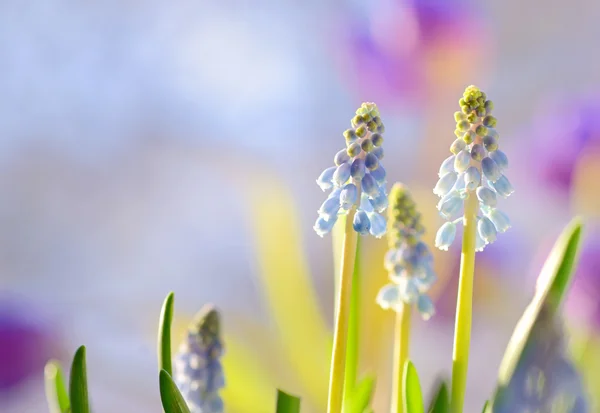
(340, 333)
(353, 327)
(401, 347)
(464, 308)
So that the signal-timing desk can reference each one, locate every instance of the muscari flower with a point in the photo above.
(197, 369)
(358, 178)
(475, 167)
(408, 261)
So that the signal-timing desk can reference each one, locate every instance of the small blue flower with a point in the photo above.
(462, 160)
(325, 180)
(447, 166)
(380, 202)
(324, 225)
(450, 205)
(388, 297)
(361, 222)
(500, 158)
(487, 230)
(472, 178)
(445, 184)
(486, 196)
(341, 157)
(378, 152)
(379, 174)
(197, 368)
(358, 168)
(425, 306)
(341, 174)
(370, 186)
(330, 207)
(499, 219)
(378, 225)
(348, 196)
(502, 187)
(358, 171)
(490, 169)
(445, 236)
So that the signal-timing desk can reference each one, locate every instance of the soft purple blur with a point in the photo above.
(26, 342)
(563, 128)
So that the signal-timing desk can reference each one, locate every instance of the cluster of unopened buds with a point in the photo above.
(476, 167)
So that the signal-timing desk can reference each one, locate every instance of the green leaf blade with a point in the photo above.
(413, 396)
(441, 399)
(164, 334)
(286, 403)
(170, 396)
(360, 398)
(56, 388)
(78, 388)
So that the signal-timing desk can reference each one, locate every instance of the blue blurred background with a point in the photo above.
(128, 130)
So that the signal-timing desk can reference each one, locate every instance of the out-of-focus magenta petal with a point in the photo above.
(26, 342)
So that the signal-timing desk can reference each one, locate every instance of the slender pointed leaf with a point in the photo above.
(441, 399)
(485, 407)
(56, 389)
(360, 398)
(164, 334)
(551, 288)
(413, 397)
(286, 403)
(171, 397)
(539, 319)
(78, 389)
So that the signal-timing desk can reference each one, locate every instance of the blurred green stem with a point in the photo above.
(353, 327)
(401, 348)
(340, 332)
(464, 308)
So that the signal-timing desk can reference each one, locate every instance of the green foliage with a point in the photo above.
(441, 399)
(286, 403)
(171, 398)
(413, 397)
(359, 399)
(78, 389)
(56, 389)
(552, 287)
(164, 334)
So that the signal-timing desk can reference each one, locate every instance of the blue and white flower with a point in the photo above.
(475, 168)
(197, 366)
(408, 261)
(358, 178)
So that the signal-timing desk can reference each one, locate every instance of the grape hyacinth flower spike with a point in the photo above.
(409, 263)
(477, 167)
(357, 185)
(471, 180)
(357, 181)
(197, 369)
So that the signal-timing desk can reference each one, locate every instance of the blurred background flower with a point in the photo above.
(128, 128)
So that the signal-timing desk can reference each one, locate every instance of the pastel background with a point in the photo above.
(151, 146)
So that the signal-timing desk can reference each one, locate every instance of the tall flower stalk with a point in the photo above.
(409, 263)
(471, 179)
(357, 184)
